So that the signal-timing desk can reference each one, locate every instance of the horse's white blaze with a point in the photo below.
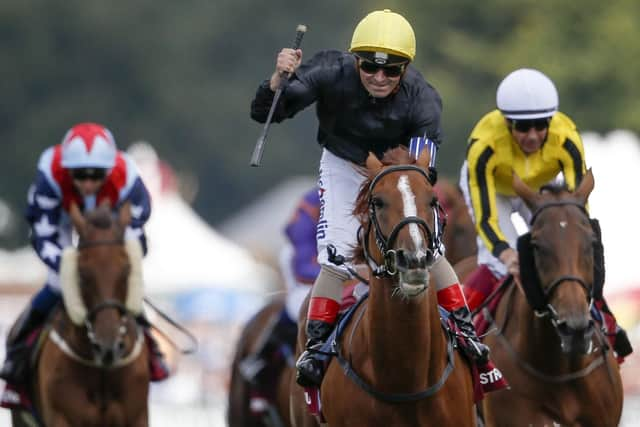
(410, 209)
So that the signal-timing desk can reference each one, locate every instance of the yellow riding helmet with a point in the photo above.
(384, 31)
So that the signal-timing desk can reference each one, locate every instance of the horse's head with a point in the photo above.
(556, 260)
(102, 286)
(396, 208)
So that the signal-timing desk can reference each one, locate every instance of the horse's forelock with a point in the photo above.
(397, 156)
(101, 217)
(555, 188)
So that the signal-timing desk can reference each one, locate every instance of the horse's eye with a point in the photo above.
(377, 202)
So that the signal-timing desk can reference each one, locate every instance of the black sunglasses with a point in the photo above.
(84, 174)
(524, 125)
(388, 70)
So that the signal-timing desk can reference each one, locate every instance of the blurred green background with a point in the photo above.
(181, 75)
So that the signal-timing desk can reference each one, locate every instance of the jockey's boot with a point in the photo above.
(478, 286)
(158, 367)
(621, 344)
(279, 334)
(477, 350)
(14, 370)
(452, 299)
(320, 322)
(15, 366)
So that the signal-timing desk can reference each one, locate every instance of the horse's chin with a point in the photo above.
(413, 282)
(578, 343)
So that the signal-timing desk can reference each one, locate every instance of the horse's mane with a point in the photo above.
(395, 156)
(101, 217)
(555, 188)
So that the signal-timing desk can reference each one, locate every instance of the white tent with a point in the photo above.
(614, 160)
(190, 261)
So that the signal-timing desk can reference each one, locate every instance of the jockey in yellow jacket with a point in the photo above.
(529, 136)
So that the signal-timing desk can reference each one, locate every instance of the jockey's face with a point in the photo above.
(379, 81)
(529, 134)
(88, 181)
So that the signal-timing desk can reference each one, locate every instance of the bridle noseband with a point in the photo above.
(390, 266)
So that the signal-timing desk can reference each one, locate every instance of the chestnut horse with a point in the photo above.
(547, 346)
(395, 363)
(458, 232)
(93, 366)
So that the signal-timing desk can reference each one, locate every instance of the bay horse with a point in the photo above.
(395, 363)
(456, 240)
(239, 411)
(92, 369)
(547, 346)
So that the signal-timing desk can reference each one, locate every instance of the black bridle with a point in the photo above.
(385, 244)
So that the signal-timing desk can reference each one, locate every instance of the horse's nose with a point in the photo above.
(410, 260)
(108, 355)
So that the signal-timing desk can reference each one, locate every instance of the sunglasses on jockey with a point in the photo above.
(370, 67)
(525, 125)
(84, 174)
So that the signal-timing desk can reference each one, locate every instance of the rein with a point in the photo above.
(66, 348)
(392, 397)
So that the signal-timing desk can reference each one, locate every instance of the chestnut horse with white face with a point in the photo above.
(556, 360)
(396, 365)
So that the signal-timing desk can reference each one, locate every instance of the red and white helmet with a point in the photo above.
(88, 145)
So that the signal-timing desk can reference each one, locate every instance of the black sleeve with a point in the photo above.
(302, 89)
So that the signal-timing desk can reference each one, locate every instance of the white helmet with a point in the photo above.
(527, 94)
(88, 145)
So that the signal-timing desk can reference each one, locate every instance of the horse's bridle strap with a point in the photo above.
(64, 346)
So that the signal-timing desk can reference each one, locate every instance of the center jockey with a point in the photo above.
(369, 99)
(85, 169)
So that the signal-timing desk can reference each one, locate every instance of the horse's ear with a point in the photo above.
(585, 187)
(77, 219)
(529, 196)
(373, 164)
(124, 214)
(423, 159)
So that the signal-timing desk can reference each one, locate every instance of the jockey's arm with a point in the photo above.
(302, 89)
(44, 209)
(482, 191)
(140, 211)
